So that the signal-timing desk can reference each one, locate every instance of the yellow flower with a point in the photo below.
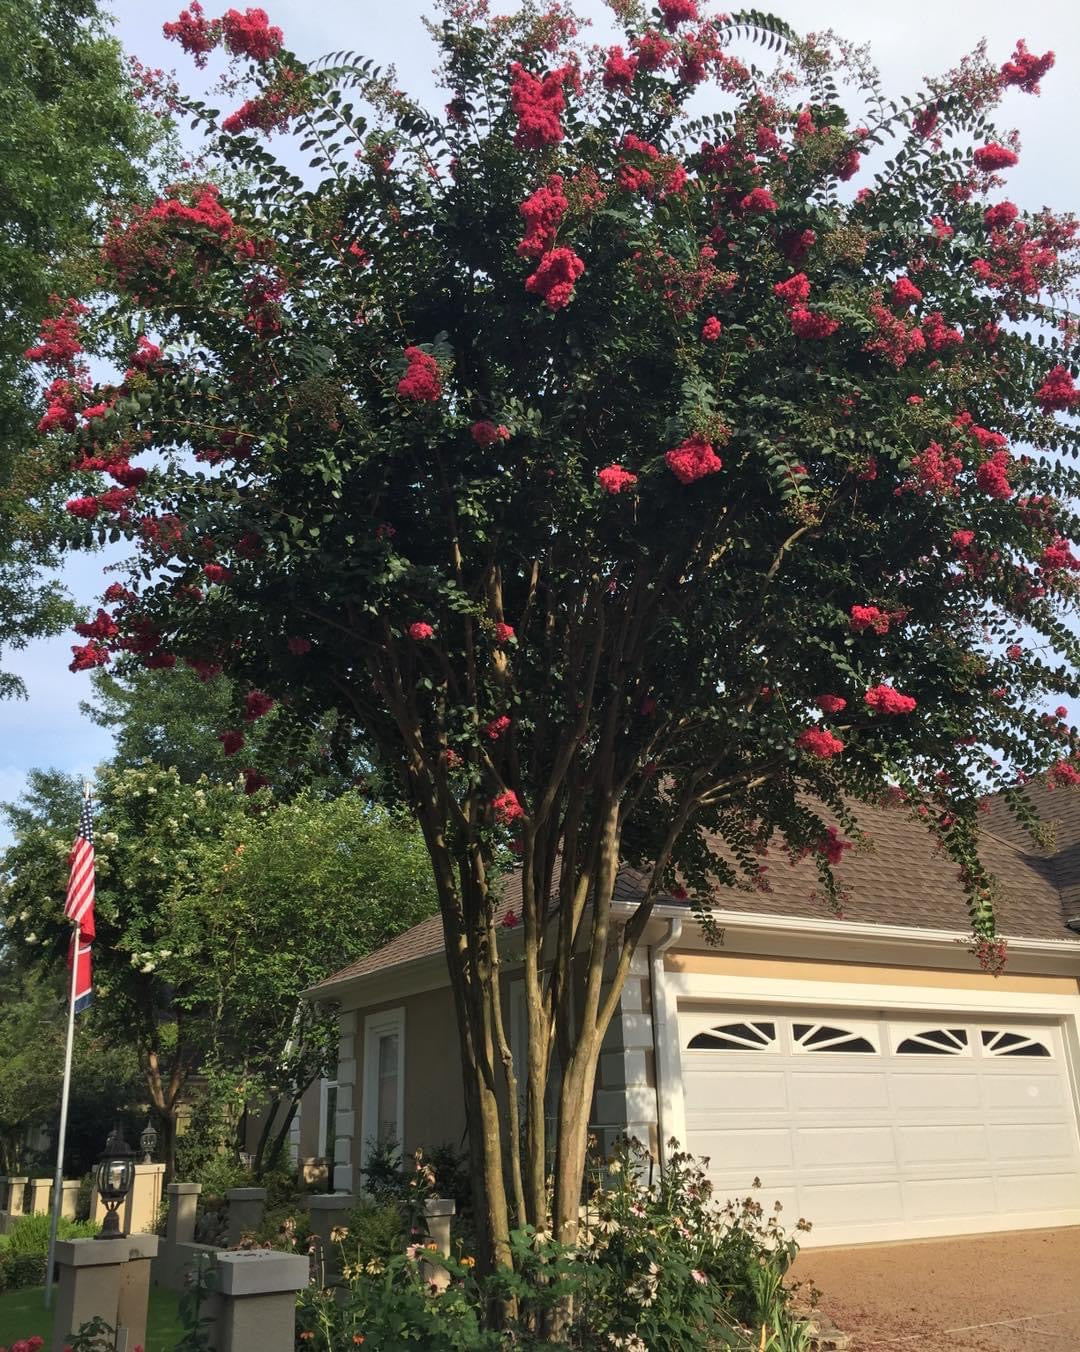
(468, 1261)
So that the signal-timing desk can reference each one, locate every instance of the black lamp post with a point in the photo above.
(148, 1142)
(115, 1175)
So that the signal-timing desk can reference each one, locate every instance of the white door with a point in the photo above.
(879, 1128)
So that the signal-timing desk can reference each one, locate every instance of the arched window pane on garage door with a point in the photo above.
(935, 1042)
(736, 1037)
(827, 1037)
(1001, 1043)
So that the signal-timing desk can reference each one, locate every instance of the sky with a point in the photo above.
(908, 39)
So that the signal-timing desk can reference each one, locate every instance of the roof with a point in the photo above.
(902, 880)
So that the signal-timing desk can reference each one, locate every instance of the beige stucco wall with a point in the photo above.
(803, 969)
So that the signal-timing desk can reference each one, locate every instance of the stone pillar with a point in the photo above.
(183, 1204)
(89, 1284)
(17, 1194)
(246, 1207)
(69, 1198)
(134, 1294)
(329, 1210)
(142, 1202)
(258, 1300)
(437, 1214)
(346, 1124)
(39, 1197)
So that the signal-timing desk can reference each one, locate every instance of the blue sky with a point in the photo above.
(908, 38)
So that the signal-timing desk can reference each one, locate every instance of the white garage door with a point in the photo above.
(884, 1128)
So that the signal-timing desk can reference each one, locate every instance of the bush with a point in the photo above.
(25, 1248)
(658, 1268)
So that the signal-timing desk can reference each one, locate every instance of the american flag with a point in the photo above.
(79, 907)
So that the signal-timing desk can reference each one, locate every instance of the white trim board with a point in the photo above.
(375, 1026)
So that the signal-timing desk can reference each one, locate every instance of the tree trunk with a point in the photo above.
(167, 1118)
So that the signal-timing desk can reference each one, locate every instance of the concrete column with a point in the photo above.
(139, 1213)
(39, 1197)
(17, 1194)
(134, 1294)
(246, 1207)
(89, 1285)
(183, 1204)
(258, 1300)
(327, 1211)
(438, 1212)
(69, 1198)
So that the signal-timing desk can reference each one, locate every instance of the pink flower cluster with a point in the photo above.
(555, 276)
(994, 156)
(250, 34)
(194, 32)
(832, 846)
(613, 479)
(487, 433)
(1025, 69)
(676, 12)
(992, 475)
(693, 459)
(905, 292)
(934, 471)
(1058, 391)
(831, 704)
(538, 105)
(420, 631)
(811, 323)
(819, 742)
(619, 70)
(894, 340)
(58, 342)
(871, 617)
(421, 379)
(506, 807)
(543, 211)
(711, 329)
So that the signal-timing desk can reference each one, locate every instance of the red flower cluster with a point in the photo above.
(831, 704)
(653, 49)
(905, 292)
(937, 333)
(256, 705)
(495, 729)
(832, 846)
(935, 472)
(758, 199)
(1057, 391)
(870, 617)
(538, 105)
(146, 354)
(883, 699)
(216, 572)
(1025, 69)
(1058, 557)
(88, 655)
(795, 290)
(231, 741)
(419, 631)
(635, 175)
(487, 433)
(819, 742)
(711, 329)
(250, 34)
(504, 632)
(811, 323)
(506, 807)
(1001, 215)
(994, 156)
(543, 211)
(58, 340)
(102, 626)
(619, 70)
(421, 379)
(676, 12)
(196, 34)
(693, 459)
(270, 111)
(555, 276)
(614, 478)
(147, 245)
(86, 508)
(992, 476)
(894, 340)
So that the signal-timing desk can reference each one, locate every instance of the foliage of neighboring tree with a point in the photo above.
(630, 483)
(72, 145)
(174, 717)
(215, 909)
(106, 1085)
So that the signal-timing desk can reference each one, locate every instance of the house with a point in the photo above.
(865, 1069)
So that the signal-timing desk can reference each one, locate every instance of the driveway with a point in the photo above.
(1017, 1292)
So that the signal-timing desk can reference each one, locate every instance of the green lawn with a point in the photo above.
(22, 1314)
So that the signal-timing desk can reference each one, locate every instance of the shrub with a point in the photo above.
(26, 1248)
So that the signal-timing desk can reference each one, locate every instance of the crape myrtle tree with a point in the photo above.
(646, 486)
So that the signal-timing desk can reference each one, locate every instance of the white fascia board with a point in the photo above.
(805, 936)
(411, 977)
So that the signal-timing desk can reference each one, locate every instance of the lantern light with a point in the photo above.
(148, 1142)
(115, 1175)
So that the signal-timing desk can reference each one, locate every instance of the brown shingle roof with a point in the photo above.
(901, 881)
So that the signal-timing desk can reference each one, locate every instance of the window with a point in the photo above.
(736, 1037)
(999, 1043)
(824, 1037)
(935, 1042)
(383, 1104)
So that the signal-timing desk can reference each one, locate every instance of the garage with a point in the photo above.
(879, 1127)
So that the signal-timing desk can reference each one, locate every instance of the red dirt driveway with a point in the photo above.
(1017, 1292)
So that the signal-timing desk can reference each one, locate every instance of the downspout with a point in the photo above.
(661, 1013)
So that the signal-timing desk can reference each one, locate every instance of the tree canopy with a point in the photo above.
(643, 485)
(73, 147)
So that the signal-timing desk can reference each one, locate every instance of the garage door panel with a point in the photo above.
(956, 1143)
(895, 1141)
(826, 1088)
(857, 1145)
(935, 1089)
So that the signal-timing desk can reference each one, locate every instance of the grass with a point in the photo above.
(23, 1313)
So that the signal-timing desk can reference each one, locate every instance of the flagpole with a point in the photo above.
(58, 1177)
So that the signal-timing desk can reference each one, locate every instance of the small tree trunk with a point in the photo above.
(168, 1141)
